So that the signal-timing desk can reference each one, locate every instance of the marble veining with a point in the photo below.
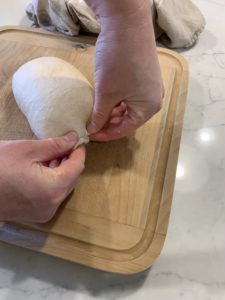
(192, 264)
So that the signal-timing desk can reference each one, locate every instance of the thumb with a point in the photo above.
(50, 149)
(100, 115)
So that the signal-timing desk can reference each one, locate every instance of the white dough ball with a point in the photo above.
(54, 96)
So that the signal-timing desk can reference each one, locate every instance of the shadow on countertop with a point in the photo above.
(46, 277)
(58, 276)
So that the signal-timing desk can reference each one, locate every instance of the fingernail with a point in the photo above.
(71, 137)
(54, 164)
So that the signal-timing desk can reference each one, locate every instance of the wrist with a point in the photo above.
(116, 8)
(137, 23)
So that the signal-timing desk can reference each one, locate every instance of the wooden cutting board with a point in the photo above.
(117, 218)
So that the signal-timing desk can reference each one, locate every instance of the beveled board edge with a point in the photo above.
(70, 40)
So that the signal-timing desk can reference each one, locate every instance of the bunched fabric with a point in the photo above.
(177, 23)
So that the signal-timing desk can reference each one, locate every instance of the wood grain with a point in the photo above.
(119, 222)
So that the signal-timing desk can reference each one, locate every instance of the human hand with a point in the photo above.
(33, 182)
(128, 82)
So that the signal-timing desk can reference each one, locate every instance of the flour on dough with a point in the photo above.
(54, 96)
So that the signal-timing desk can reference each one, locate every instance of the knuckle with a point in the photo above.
(157, 99)
(82, 166)
(46, 216)
(58, 194)
(55, 196)
(57, 144)
(51, 197)
(98, 115)
(140, 119)
(158, 105)
(48, 210)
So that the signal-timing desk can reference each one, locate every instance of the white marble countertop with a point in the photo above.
(192, 264)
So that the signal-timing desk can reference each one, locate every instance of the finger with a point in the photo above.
(67, 173)
(65, 158)
(54, 163)
(119, 111)
(114, 120)
(100, 115)
(72, 167)
(51, 149)
(117, 130)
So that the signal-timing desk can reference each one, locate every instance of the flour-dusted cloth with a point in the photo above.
(53, 15)
(180, 22)
(177, 23)
(65, 16)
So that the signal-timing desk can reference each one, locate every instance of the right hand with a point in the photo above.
(31, 188)
(128, 83)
